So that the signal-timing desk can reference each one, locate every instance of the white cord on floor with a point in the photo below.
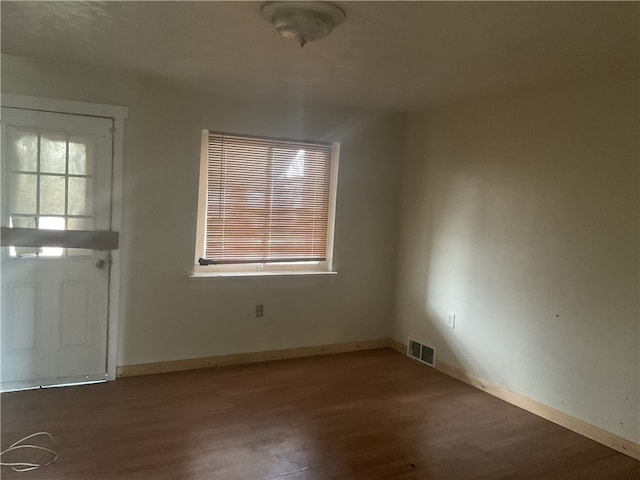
(28, 466)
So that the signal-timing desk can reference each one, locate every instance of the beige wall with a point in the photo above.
(520, 215)
(165, 314)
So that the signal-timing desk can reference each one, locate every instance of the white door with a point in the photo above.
(56, 175)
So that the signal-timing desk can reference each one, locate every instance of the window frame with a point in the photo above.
(258, 268)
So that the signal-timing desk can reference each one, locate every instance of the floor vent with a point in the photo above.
(422, 353)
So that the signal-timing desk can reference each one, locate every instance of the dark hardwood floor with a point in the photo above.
(365, 415)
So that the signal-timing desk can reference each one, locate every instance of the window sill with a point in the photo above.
(261, 274)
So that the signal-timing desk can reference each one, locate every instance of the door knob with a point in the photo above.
(100, 264)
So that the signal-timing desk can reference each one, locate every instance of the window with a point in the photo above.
(265, 205)
(51, 186)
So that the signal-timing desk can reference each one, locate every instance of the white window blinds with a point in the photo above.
(267, 200)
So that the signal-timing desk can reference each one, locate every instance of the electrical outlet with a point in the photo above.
(451, 320)
(259, 310)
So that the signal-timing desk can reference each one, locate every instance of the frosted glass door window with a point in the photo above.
(52, 186)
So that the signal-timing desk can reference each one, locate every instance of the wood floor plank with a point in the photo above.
(366, 415)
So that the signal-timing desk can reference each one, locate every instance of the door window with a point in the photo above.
(51, 187)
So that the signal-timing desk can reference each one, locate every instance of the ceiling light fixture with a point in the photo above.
(303, 21)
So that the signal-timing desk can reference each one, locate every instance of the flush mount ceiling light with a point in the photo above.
(303, 21)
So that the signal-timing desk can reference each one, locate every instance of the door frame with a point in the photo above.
(118, 114)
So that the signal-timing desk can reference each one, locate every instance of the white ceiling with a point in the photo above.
(386, 55)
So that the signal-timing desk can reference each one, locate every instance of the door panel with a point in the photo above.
(79, 327)
(23, 324)
(56, 175)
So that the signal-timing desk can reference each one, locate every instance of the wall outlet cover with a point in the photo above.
(451, 320)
